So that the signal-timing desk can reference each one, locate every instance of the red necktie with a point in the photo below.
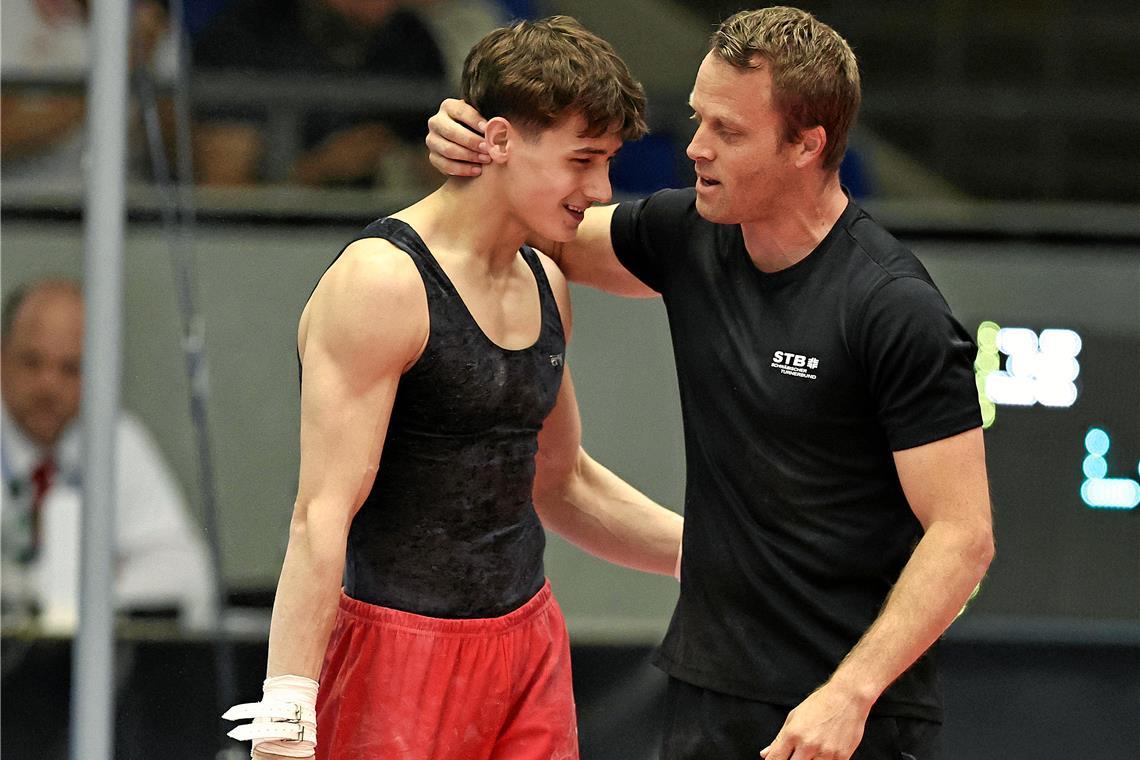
(42, 478)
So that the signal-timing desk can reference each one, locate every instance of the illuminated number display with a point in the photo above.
(1042, 369)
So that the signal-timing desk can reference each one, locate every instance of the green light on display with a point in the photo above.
(987, 337)
(986, 363)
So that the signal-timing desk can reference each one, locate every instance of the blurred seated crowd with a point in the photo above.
(259, 133)
(298, 40)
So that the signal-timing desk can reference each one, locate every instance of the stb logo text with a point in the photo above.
(796, 365)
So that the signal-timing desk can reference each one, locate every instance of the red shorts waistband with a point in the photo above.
(387, 616)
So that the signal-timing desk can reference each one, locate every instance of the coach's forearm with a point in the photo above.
(602, 514)
(946, 567)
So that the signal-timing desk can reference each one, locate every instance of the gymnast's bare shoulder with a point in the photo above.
(370, 306)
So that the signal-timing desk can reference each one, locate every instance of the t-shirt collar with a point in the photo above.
(809, 262)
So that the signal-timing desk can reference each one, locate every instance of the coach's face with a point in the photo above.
(42, 353)
(739, 152)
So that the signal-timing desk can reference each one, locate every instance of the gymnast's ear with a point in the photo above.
(500, 137)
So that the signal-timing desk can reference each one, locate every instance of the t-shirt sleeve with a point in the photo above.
(920, 364)
(646, 233)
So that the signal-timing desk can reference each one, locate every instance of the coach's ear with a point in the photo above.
(499, 135)
(810, 146)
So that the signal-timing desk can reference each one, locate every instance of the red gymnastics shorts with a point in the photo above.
(399, 686)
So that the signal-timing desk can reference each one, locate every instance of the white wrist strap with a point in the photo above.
(287, 732)
(677, 567)
(284, 721)
(289, 712)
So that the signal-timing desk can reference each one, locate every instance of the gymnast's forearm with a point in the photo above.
(308, 593)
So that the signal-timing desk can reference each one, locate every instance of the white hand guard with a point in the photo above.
(284, 721)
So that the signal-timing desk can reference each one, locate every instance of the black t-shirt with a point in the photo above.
(796, 387)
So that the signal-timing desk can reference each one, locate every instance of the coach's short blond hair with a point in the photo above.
(537, 73)
(815, 77)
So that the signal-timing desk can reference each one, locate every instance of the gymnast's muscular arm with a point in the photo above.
(456, 146)
(365, 324)
(583, 501)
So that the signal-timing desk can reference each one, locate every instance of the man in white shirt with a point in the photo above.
(161, 559)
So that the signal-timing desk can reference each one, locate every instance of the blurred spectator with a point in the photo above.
(41, 128)
(313, 37)
(160, 558)
(457, 25)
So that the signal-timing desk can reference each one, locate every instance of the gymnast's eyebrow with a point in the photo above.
(597, 151)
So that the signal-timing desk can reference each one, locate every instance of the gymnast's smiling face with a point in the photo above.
(550, 176)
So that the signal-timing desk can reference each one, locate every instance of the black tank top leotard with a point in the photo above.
(449, 528)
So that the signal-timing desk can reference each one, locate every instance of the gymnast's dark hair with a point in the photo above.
(536, 73)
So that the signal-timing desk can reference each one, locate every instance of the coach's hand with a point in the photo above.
(828, 725)
(455, 139)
